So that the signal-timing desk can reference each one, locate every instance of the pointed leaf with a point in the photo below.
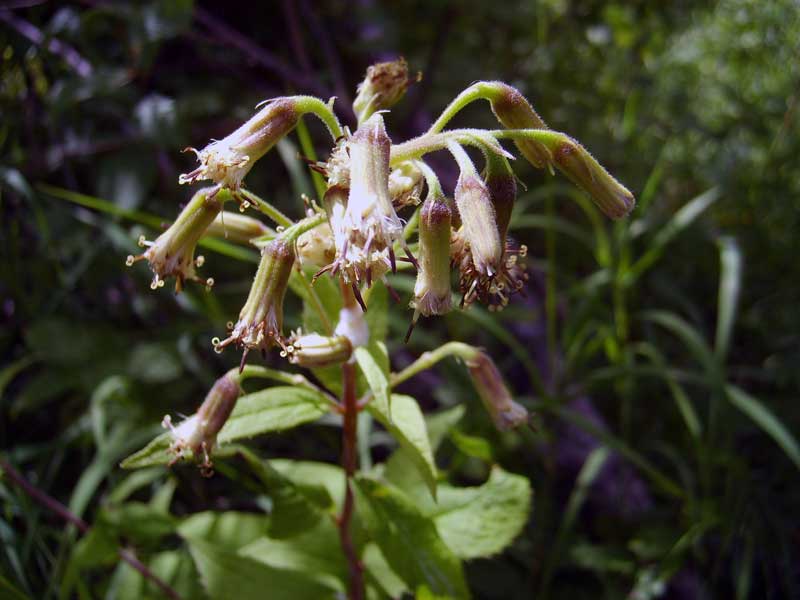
(373, 362)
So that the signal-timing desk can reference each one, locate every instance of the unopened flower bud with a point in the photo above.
(405, 184)
(227, 161)
(315, 247)
(366, 228)
(383, 87)
(198, 434)
(236, 227)
(260, 322)
(314, 350)
(505, 413)
(514, 111)
(583, 170)
(432, 289)
(172, 253)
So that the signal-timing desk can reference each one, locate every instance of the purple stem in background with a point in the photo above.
(32, 33)
(296, 36)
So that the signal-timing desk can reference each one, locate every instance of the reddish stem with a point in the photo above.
(350, 464)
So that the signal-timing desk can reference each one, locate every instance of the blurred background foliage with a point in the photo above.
(662, 354)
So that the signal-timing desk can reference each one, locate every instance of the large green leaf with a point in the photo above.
(408, 428)
(481, 521)
(230, 530)
(227, 575)
(410, 541)
(273, 409)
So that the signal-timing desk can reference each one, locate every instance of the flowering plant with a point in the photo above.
(395, 522)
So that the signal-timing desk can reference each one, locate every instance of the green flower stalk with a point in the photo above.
(172, 253)
(260, 323)
(196, 436)
(504, 412)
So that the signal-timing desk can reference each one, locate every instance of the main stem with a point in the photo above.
(350, 465)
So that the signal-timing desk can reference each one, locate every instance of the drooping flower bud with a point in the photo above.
(583, 170)
(366, 227)
(383, 87)
(314, 350)
(172, 253)
(514, 111)
(478, 218)
(405, 184)
(502, 186)
(315, 247)
(236, 227)
(505, 413)
(227, 161)
(432, 288)
(198, 434)
(260, 322)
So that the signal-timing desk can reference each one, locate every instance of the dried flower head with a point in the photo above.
(383, 87)
(196, 436)
(227, 161)
(172, 253)
(505, 413)
(260, 321)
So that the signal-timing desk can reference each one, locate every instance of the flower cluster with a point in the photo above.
(357, 234)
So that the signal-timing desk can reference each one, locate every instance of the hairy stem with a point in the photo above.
(64, 513)
(428, 359)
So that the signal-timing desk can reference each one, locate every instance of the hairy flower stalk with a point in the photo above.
(432, 288)
(365, 227)
(172, 253)
(505, 413)
(260, 323)
(384, 86)
(196, 436)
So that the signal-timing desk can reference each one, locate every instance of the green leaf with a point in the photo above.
(306, 473)
(689, 335)
(439, 424)
(410, 541)
(377, 315)
(481, 521)
(295, 507)
(315, 554)
(273, 409)
(138, 522)
(472, 445)
(230, 576)
(408, 428)
(9, 592)
(767, 421)
(154, 363)
(730, 258)
(229, 530)
(374, 363)
(381, 573)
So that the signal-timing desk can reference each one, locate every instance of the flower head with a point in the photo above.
(383, 87)
(172, 253)
(315, 350)
(196, 436)
(227, 161)
(365, 226)
(260, 321)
